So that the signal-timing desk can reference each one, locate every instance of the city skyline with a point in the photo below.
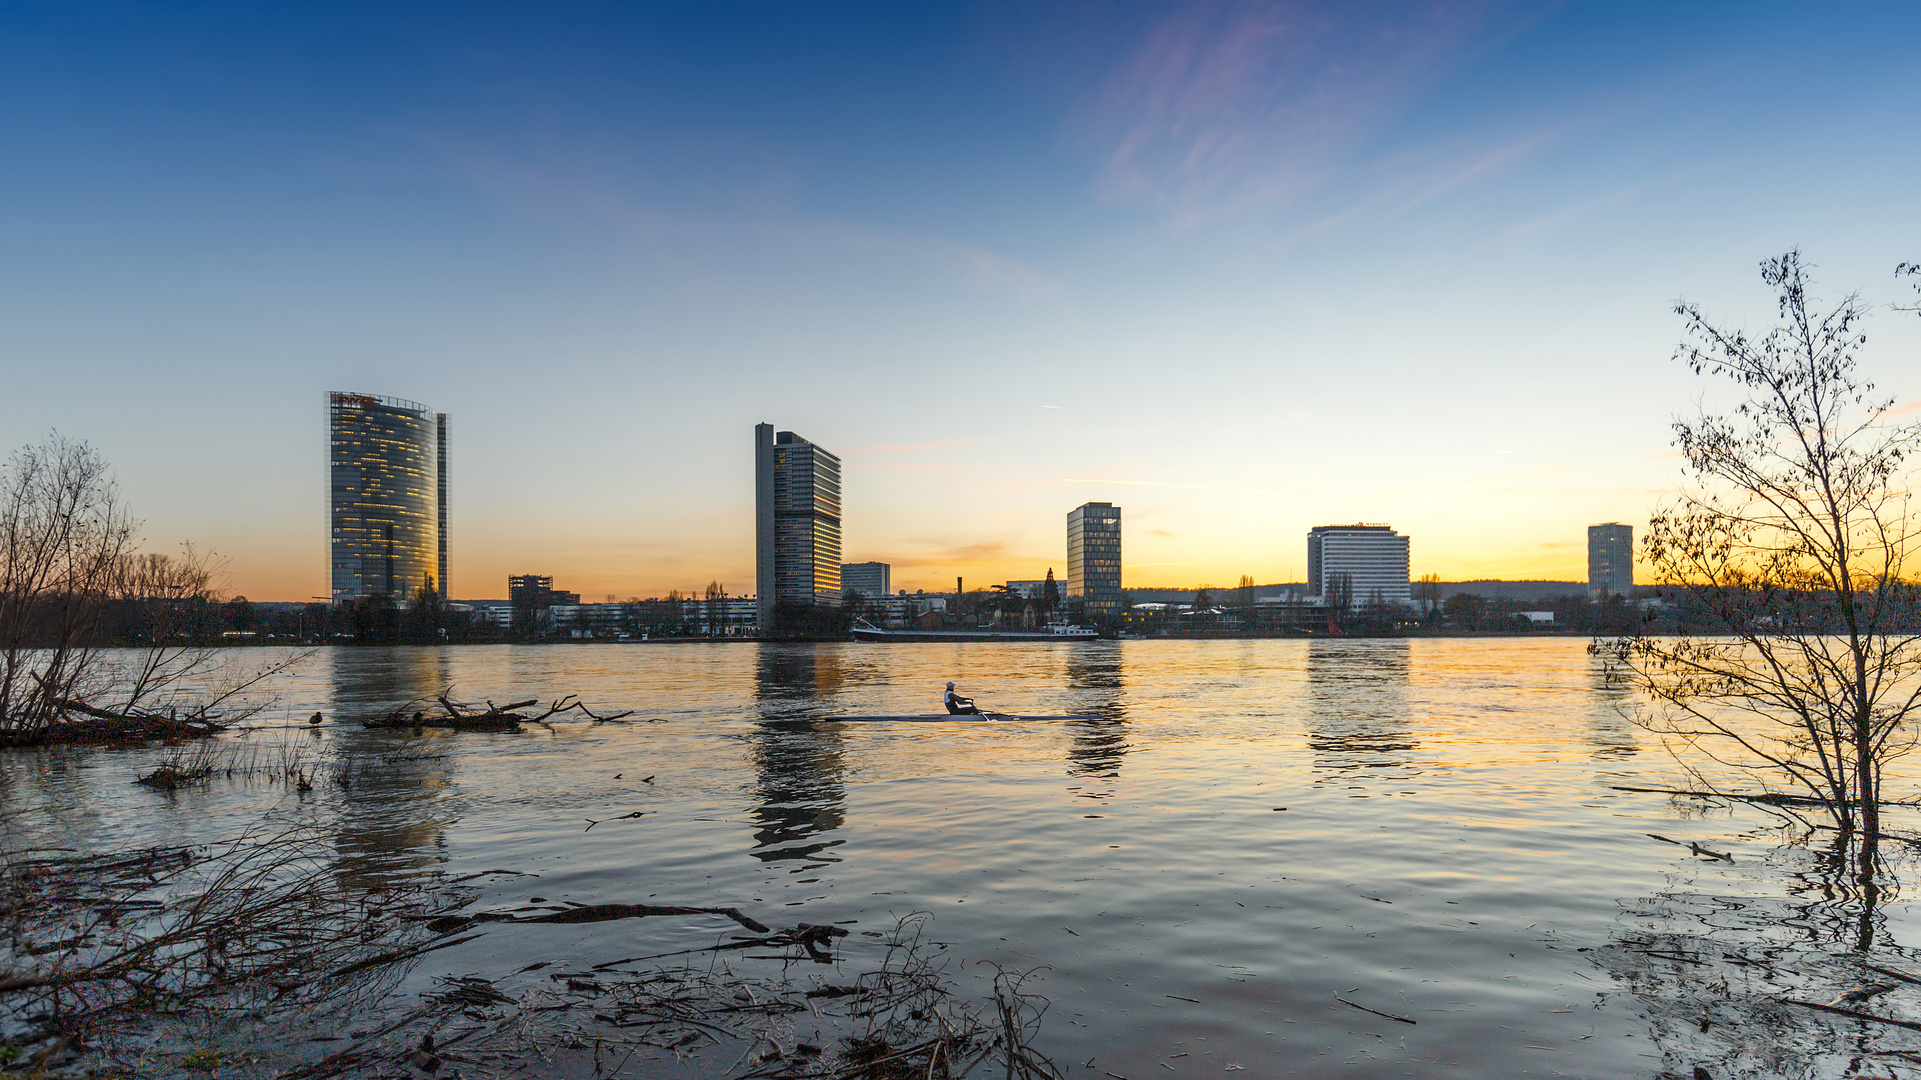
(1243, 268)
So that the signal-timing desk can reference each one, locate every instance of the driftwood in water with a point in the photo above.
(106, 726)
(459, 716)
(453, 924)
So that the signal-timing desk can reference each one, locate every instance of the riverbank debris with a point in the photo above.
(1855, 995)
(166, 778)
(287, 947)
(1855, 1014)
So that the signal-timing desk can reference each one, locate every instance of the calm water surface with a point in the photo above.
(1249, 831)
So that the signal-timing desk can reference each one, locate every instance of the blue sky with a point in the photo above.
(1240, 268)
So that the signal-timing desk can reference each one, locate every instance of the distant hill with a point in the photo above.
(1219, 592)
(1515, 590)
(1493, 589)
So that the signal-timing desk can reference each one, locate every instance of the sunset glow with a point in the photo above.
(1241, 269)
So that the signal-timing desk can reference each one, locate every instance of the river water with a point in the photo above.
(1247, 833)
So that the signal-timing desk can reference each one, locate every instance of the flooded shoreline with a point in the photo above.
(1269, 854)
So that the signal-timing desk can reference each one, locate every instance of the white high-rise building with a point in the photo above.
(1361, 563)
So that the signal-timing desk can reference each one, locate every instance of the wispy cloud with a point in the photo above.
(1231, 103)
(1129, 483)
(554, 173)
(979, 553)
(1403, 182)
(910, 448)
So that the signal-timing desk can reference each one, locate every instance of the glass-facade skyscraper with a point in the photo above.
(1094, 558)
(1610, 560)
(386, 497)
(797, 523)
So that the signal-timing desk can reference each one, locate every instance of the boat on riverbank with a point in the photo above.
(866, 631)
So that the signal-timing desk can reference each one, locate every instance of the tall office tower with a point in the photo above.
(1094, 558)
(1610, 560)
(797, 523)
(870, 579)
(386, 498)
(1373, 558)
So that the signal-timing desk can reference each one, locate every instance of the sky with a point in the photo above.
(1239, 268)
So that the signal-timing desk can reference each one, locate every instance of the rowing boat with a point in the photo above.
(941, 718)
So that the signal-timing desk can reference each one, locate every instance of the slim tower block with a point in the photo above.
(796, 521)
(1094, 558)
(1610, 560)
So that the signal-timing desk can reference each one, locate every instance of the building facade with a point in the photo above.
(870, 579)
(1094, 558)
(386, 497)
(1610, 560)
(797, 523)
(1358, 564)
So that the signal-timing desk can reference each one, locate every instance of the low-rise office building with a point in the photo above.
(866, 578)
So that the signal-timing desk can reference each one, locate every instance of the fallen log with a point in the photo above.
(459, 716)
(454, 924)
(1376, 1012)
(105, 730)
(1766, 798)
(1856, 1014)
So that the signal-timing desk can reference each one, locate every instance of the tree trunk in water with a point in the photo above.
(1870, 896)
(1866, 777)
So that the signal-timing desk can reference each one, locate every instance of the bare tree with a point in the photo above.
(163, 602)
(72, 581)
(65, 540)
(1801, 668)
(1427, 593)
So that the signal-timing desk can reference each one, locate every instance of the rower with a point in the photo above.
(958, 705)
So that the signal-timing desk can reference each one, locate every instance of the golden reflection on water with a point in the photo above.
(1428, 826)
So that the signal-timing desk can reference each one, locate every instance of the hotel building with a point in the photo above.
(1373, 559)
(386, 497)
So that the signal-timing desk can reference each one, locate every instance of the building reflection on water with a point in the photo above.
(799, 765)
(1357, 703)
(1610, 731)
(1096, 747)
(396, 809)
